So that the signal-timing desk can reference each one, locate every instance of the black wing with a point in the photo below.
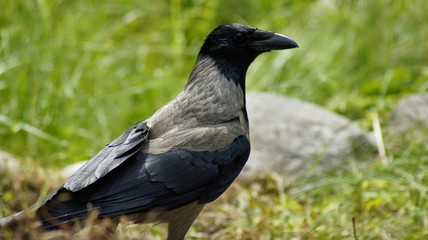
(114, 154)
(148, 182)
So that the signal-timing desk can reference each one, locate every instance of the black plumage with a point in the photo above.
(153, 181)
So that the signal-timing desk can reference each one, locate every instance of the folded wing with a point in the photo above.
(151, 182)
(114, 154)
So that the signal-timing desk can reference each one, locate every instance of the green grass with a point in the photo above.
(76, 74)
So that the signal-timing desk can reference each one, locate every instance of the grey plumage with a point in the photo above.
(166, 168)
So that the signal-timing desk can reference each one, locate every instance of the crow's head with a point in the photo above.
(232, 48)
(240, 44)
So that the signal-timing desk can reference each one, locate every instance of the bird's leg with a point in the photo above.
(181, 223)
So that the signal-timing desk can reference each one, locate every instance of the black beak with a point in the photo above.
(275, 41)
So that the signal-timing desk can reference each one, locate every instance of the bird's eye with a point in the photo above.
(239, 37)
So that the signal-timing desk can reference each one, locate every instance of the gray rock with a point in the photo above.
(9, 164)
(295, 138)
(411, 113)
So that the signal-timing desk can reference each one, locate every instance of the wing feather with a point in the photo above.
(147, 182)
(109, 158)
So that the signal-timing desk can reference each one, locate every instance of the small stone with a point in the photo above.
(411, 113)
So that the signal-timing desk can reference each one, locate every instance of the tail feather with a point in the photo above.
(7, 220)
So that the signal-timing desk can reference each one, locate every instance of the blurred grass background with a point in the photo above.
(76, 74)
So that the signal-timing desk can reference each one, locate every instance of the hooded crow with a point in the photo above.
(167, 167)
